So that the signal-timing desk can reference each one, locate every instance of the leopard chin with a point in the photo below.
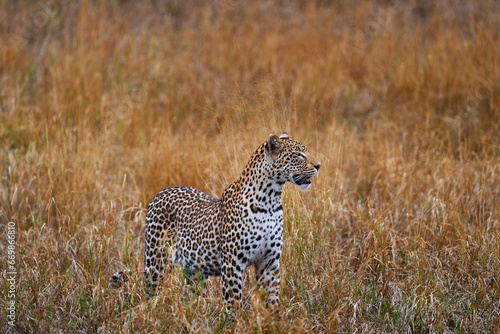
(304, 186)
(302, 181)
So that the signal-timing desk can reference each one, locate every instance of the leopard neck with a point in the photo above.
(258, 181)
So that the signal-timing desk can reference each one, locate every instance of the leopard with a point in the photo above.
(209, 236)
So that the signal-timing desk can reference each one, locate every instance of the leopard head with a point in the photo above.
(291, 161)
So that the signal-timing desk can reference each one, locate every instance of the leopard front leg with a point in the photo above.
(232, 282)
(267, 274)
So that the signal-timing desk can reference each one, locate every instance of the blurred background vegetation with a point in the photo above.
(104, 103)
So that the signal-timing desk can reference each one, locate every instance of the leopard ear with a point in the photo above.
(284, 135)
(274, 144)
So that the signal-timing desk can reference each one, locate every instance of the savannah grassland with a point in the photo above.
(102, 105)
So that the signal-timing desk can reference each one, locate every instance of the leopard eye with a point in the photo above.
(300, 154)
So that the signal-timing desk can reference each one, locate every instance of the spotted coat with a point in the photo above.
(224, 236)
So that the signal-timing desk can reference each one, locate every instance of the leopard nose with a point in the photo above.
(317, 166)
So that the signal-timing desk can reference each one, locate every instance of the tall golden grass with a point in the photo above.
(103, 104)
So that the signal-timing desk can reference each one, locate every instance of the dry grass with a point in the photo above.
(103, 105)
